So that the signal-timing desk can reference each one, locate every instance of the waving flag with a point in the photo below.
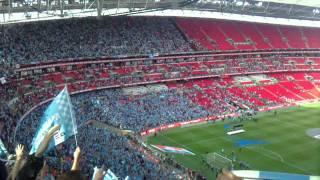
(59, 112)
(169, 149)
(3, 150)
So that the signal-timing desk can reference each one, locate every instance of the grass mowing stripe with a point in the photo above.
(203, 140)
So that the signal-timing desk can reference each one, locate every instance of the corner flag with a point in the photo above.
(59, 112)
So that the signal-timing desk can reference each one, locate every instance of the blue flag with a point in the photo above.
(60, 113)
(3, 150)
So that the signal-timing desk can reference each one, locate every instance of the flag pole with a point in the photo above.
(72, 118)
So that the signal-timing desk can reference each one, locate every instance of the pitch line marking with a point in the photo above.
(267, 150)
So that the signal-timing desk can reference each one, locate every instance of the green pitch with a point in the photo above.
(287, 149)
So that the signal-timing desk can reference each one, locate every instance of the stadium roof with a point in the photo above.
(287, 10)
(311, 3)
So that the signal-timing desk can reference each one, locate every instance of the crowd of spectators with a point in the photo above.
(90, 37)
(130, 112)
(114, 152)
(124, 111)
(114, 108)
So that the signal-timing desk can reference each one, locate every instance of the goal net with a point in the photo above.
(219, 161)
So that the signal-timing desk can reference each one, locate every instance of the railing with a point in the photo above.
(216, 54)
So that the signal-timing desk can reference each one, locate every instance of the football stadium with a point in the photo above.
(159, 89)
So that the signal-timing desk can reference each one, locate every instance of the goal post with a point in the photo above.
(219, 161)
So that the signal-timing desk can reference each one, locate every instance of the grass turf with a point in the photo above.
(288, 147)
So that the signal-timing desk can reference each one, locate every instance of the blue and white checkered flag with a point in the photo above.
(3, 151)
(59, 112)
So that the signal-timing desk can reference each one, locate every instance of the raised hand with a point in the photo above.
(46, 140)
(19, 151)
(100, 174)
(52, 131)
(76, 160)
(76, 153)
(227, 175)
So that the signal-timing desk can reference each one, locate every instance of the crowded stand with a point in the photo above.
(112, 107)
(126, 36)
(167, 89)
(91, 37)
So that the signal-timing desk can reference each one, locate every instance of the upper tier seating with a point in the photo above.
(230, 35)
(124, 36)
(293, 35)
(250, 31)
(90, 37)
(312, 37)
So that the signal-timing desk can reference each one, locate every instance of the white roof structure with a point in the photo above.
(311, 3)
(289, 12)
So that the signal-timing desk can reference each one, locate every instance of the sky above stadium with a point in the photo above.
(312, 3)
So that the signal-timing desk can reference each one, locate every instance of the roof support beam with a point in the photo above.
(290, 10)
(99, 7)
(266, 9)
(61, 3)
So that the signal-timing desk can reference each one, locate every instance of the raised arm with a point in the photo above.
(18, 164)
(46, 140)
(43, 170)
(99, 174)
(227, 175)
(76, 160)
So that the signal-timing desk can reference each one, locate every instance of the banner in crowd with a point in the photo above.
(109, 175)
(175, 150)
(59, 112)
